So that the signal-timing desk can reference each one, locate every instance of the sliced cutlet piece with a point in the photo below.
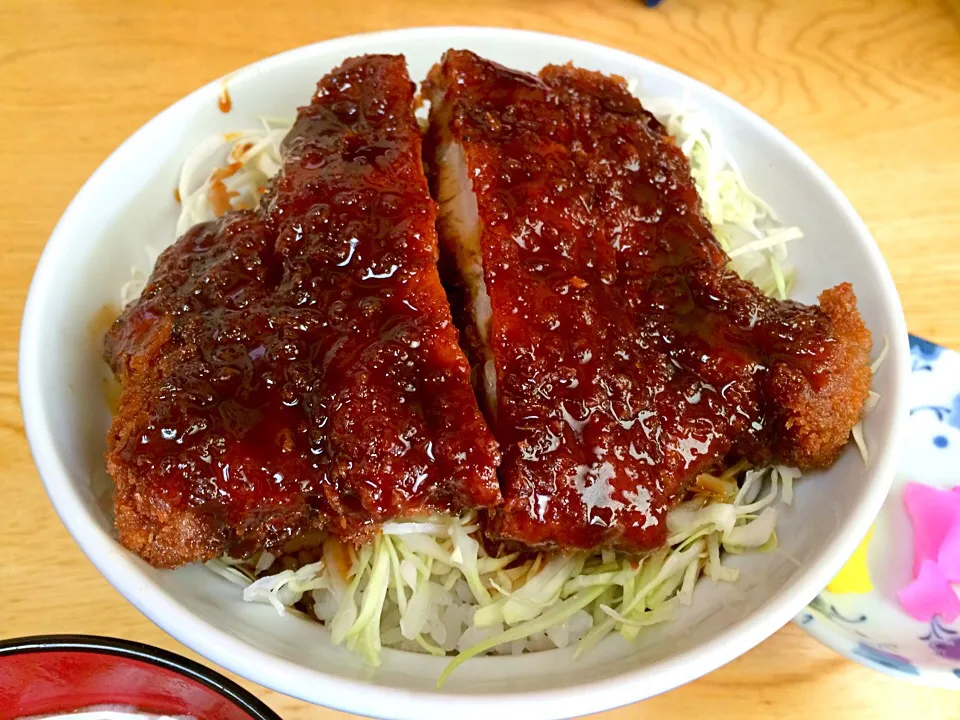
(613, 374)
(296, 367)
(800, 371)
(592, 422)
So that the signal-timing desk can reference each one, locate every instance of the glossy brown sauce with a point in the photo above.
(295, 369)
(224, 102)
(220, 197)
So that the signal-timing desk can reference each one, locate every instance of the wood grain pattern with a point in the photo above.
(869, 88)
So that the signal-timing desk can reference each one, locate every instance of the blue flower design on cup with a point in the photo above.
(820, 604)
(885, 658)
(942, 640)
(923, 353)
(948, 415)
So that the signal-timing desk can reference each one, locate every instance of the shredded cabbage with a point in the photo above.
(871, 402)
(745, 226)
(251, 156)
(229, 169)
(444, 586)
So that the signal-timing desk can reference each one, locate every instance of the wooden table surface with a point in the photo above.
(871, 90)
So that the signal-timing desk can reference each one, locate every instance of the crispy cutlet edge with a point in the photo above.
(160, 534)
(149, 527)
(814, 425)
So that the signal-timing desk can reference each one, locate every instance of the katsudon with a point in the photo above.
(451, 385)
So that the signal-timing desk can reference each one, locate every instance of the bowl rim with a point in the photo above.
(133, 650)
(351, 695)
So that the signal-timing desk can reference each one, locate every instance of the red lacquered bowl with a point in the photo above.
(51, 674)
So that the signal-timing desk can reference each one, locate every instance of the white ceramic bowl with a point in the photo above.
(129, 201)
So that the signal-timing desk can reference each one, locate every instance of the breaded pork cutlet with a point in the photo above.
(296, 367)
(619, 355)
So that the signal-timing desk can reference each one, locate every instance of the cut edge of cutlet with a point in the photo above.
(459, 240)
